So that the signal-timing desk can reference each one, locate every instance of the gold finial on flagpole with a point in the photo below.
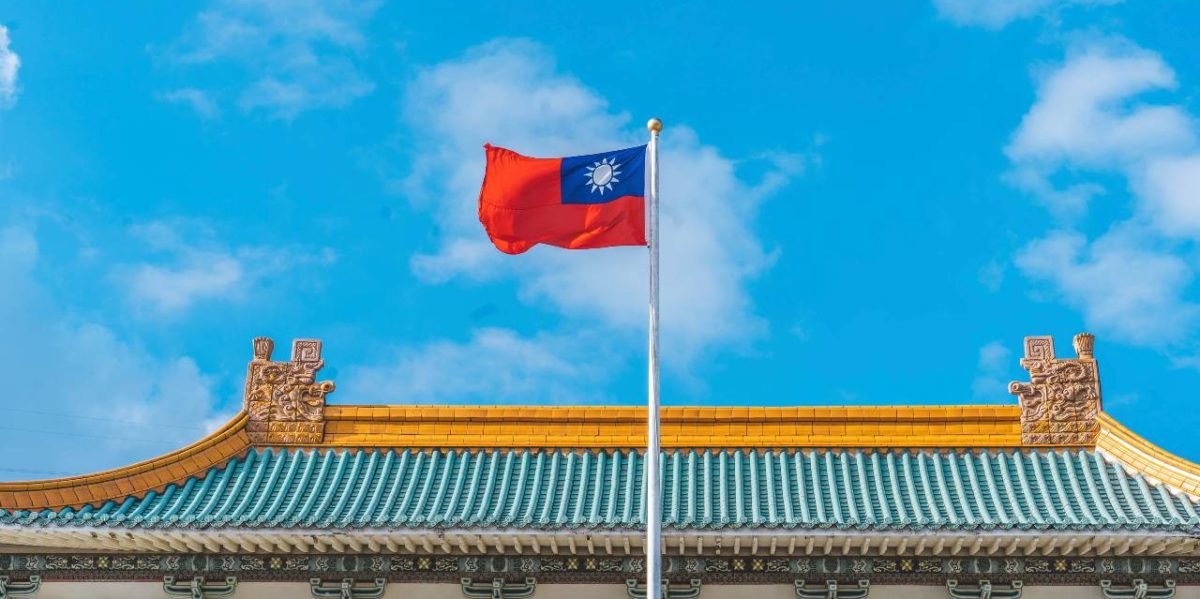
(654, 125)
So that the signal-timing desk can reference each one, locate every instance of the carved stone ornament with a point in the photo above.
(284, 401)
(1060, 405)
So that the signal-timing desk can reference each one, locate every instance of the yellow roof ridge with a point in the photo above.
(611, 427)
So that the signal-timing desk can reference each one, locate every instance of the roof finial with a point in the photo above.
(263, 347)
(1060, 405)
(1084, 345)
(284, 402)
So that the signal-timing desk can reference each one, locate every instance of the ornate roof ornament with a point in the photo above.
(1061, 403)
(284, 401)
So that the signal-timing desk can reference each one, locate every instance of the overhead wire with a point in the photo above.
(100, 418)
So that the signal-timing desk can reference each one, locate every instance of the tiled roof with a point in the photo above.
(1041, 489)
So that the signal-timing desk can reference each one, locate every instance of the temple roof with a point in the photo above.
(292, 465)
(323, 489)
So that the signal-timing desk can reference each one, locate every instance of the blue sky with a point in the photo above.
(861, 205)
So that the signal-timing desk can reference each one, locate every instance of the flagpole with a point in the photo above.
(653, 491)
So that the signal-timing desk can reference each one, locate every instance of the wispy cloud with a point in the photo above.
(80, 396)
(493, 366)
(995, 14)
(197, 99)
(1090, 123)
(1124, 283)
(10, 64)
(990, 384)
(511, 93)
(190, 265)
(295, 56)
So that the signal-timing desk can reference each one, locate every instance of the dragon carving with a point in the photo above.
(1060, 405)
(284, 401)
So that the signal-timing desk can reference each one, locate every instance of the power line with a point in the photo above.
(87, 436)
(39, 472)
(191, 429)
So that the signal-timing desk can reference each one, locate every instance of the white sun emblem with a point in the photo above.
(603, 174)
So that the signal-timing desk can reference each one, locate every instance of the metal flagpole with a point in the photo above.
(653, 492)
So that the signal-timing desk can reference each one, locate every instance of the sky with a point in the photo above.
(860, 206)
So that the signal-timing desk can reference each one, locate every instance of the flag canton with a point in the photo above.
(601, 178)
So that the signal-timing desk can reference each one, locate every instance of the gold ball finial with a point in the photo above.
(654, 125)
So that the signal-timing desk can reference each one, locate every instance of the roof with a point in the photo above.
(317, 489)
(289, 462)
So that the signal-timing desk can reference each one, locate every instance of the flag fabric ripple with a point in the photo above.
(577, 202)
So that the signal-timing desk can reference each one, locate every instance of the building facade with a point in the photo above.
(1050, 497)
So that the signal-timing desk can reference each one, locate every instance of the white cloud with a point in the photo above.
(995, 360)
(297, 55)
(1134, 281)
(1170, 187)
(79, 397)
(194, 267)
(1120, 281)
(197, 99)
(1086, 112)
(510, 93)
(494, 366)
(995, 14)
(10, 63)
(991, 275)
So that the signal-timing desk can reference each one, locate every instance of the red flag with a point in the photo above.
(577, 202)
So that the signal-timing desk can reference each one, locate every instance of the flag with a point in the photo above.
(577, 202)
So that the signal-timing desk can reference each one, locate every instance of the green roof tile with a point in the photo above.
(908, 490)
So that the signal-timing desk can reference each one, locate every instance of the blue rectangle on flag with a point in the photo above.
(600, 178)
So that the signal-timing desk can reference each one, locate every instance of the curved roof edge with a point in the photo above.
(1146, 458)
(217, 448)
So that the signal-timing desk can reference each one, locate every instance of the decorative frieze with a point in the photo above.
(965, 572)
(347, 588)
(1060, 405)
(284, 401)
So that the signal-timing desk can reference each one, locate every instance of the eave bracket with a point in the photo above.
(347, 589)
(498, 589)
(984, 590)
(199, 588)
(1138, 589)
(831, 590)
(10, 588)
(691, 590)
